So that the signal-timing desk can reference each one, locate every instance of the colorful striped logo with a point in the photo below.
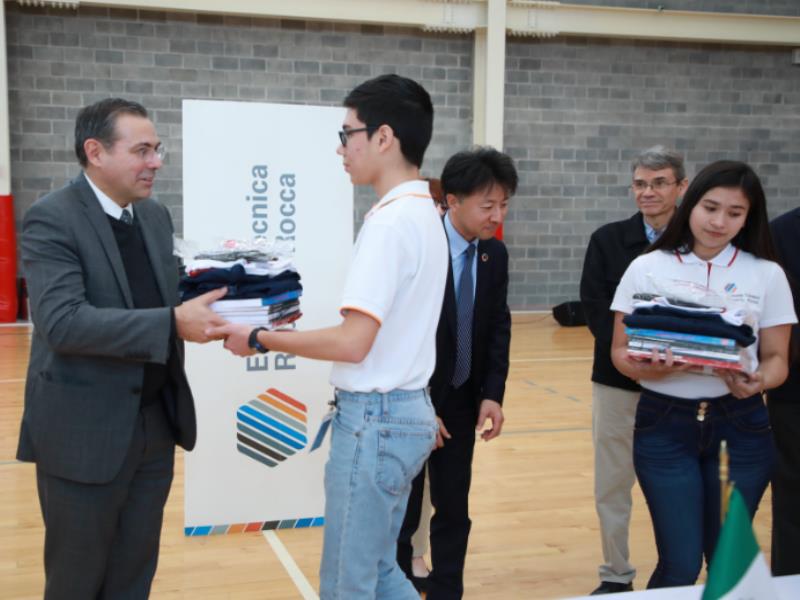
(271, 427)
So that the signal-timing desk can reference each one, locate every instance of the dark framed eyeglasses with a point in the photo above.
(346, 133)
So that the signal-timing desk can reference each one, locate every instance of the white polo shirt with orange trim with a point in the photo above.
(759, 284)
(397, 277)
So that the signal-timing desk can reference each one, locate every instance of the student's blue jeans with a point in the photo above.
(676, 457)
(379, 444)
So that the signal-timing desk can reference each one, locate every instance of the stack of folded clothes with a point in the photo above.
(263, 286)
(705, 336)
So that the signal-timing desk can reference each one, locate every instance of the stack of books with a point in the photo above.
(694, 349)
(260, 312)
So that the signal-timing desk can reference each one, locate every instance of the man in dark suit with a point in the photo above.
(784, 410)
(659, 179)
(472, 344)
(106, 396)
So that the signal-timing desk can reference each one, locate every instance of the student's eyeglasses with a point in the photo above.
(639, 185)
(346, 133)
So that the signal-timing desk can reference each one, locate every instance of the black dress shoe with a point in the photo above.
(612, 587)
(420, 583)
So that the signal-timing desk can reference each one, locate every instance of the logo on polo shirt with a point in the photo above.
(271, 427)
(730, 288)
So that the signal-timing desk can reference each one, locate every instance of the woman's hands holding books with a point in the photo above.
(742, 385)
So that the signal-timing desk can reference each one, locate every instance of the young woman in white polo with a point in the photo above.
(718, 239)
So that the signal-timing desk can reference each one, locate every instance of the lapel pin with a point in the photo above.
(484, 257)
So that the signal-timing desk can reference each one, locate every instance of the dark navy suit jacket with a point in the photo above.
(786, 233)
(491, 330)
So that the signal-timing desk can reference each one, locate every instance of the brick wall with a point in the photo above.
(577, 109)
(60, 61)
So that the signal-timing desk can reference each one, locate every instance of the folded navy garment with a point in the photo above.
(743, 334)
(235, 274)
(240, 285)
(675, 311)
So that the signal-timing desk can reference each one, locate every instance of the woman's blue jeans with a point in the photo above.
(379, 444)
(676, 457)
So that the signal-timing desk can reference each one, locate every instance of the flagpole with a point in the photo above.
(724, 485)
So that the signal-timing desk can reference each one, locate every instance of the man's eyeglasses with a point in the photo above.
(346, 133)
(147, 153)
(639, 185)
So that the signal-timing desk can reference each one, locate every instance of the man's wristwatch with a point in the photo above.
(253, 342)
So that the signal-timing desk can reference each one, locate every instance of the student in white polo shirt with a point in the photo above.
(384, 349)
(719, 239)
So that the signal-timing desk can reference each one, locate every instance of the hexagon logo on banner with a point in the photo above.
(271, 427)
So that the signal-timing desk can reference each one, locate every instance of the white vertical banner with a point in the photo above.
(254, 169)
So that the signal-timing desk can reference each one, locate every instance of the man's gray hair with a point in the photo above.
(659, 157)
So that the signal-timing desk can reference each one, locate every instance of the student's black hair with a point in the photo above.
(475, 170)
(99, 120)
(754, 237)
(402, 104)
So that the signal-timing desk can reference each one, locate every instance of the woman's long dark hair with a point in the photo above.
(754, 237)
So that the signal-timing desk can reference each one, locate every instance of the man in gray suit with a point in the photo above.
(106, 397)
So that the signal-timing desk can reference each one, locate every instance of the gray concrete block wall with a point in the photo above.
(61, 60)
(758, 7)
(578, 110)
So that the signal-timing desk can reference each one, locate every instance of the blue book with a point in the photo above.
(677, 336)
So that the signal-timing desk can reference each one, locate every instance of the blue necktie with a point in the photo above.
(126, 217)
(464, 305)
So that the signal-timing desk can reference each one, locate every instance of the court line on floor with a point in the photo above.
(551, 391)
(2, 381)
(296, 575)
(553, 359)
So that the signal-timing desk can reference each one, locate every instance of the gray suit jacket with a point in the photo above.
(89, 344)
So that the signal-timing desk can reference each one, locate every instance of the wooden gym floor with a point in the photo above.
(534, 533)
